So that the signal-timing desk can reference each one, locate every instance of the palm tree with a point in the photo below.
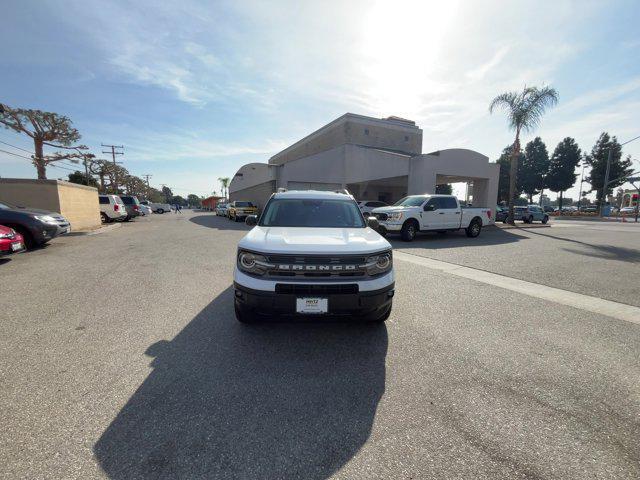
(524, 112)
(224, 181)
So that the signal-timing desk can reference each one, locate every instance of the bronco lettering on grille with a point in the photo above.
(323, 268)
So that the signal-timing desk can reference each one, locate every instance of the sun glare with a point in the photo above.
(402, 43)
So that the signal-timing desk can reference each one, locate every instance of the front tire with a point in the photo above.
(474, 228)
(160, 211)
(409, 231)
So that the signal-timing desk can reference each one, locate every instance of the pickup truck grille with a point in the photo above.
(316, 266)
(381, 216)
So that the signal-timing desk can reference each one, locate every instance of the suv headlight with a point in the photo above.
(380, 263)
(46, 219)
(253, 263)
(395, 216)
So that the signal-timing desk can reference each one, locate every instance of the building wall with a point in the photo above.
(257, 194)
(364, 164)
(77, 203)
(356, 130)
(252, 174)
(323, 167)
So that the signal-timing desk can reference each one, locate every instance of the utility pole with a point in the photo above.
(114, 151)
(147, 177)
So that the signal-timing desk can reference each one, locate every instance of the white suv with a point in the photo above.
(112, 208)
(313, 253)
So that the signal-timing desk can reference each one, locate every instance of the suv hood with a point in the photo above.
(313, 240)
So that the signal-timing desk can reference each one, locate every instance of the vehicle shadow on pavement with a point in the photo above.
(489, 236)
(607, 252)
(227, 400)
(219, 223)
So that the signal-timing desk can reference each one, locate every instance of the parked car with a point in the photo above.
(530, 214)
(36, 226)
(313, 254)
(627, 210)
(145, 209)
(111, 208)
(222, 209)
(438, 213)
(159, 207)
(131, 205)
(367, 206)
(10, 241)
(502, 213)
(239, 210)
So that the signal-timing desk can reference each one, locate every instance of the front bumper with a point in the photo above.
(346, 301)
(390, 226)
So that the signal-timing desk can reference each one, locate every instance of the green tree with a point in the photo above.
(534, 168)
(444, 189)
(168, 194)
(194, 200)
(45, 129)
(81, 179)
(561, 177)
(597, 160)
(177, 199)
(524, 113)
(224, 182)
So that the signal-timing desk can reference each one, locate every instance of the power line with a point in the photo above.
(16, 154)
(19, 148)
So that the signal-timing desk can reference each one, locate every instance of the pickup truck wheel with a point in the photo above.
(545, 219)
(530, 219)
(242, 315)
(160, 211)
(474, 228)
(409, 230)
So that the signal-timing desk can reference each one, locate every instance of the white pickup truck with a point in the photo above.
(425, 213)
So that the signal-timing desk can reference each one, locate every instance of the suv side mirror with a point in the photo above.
(373, 223)
(429, 207)
(251, 220)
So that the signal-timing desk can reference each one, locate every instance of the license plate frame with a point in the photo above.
(312, 305)
(16, 247)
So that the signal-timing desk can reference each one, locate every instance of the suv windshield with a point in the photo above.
(315, 213)
(412, 201)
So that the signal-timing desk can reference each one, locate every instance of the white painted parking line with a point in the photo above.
(617, 310)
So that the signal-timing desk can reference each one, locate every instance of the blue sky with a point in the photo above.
(193, 90)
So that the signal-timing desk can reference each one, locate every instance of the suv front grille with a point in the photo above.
(381, 216)
(316, 266)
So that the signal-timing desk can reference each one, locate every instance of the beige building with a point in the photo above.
(375, 159)
(77, 203)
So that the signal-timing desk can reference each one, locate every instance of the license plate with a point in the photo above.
(16, 246)
(312, 305)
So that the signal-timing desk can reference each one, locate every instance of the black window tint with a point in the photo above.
(103, 200)
(435, 202)
(448, 202)
(127, 200)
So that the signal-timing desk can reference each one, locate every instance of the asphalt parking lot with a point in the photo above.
(120, 358)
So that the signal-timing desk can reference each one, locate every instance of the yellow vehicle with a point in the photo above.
(240, 210)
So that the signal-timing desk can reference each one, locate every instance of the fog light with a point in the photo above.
(238, 294)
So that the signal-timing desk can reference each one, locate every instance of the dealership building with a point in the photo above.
(374, 159)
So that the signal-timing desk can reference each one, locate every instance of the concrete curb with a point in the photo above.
(103, 229)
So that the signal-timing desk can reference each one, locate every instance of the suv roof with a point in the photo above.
(312, 194)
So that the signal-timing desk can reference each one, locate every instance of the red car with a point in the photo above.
(10, 241)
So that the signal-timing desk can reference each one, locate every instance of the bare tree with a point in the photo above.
(45, 128)
(524, 112)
